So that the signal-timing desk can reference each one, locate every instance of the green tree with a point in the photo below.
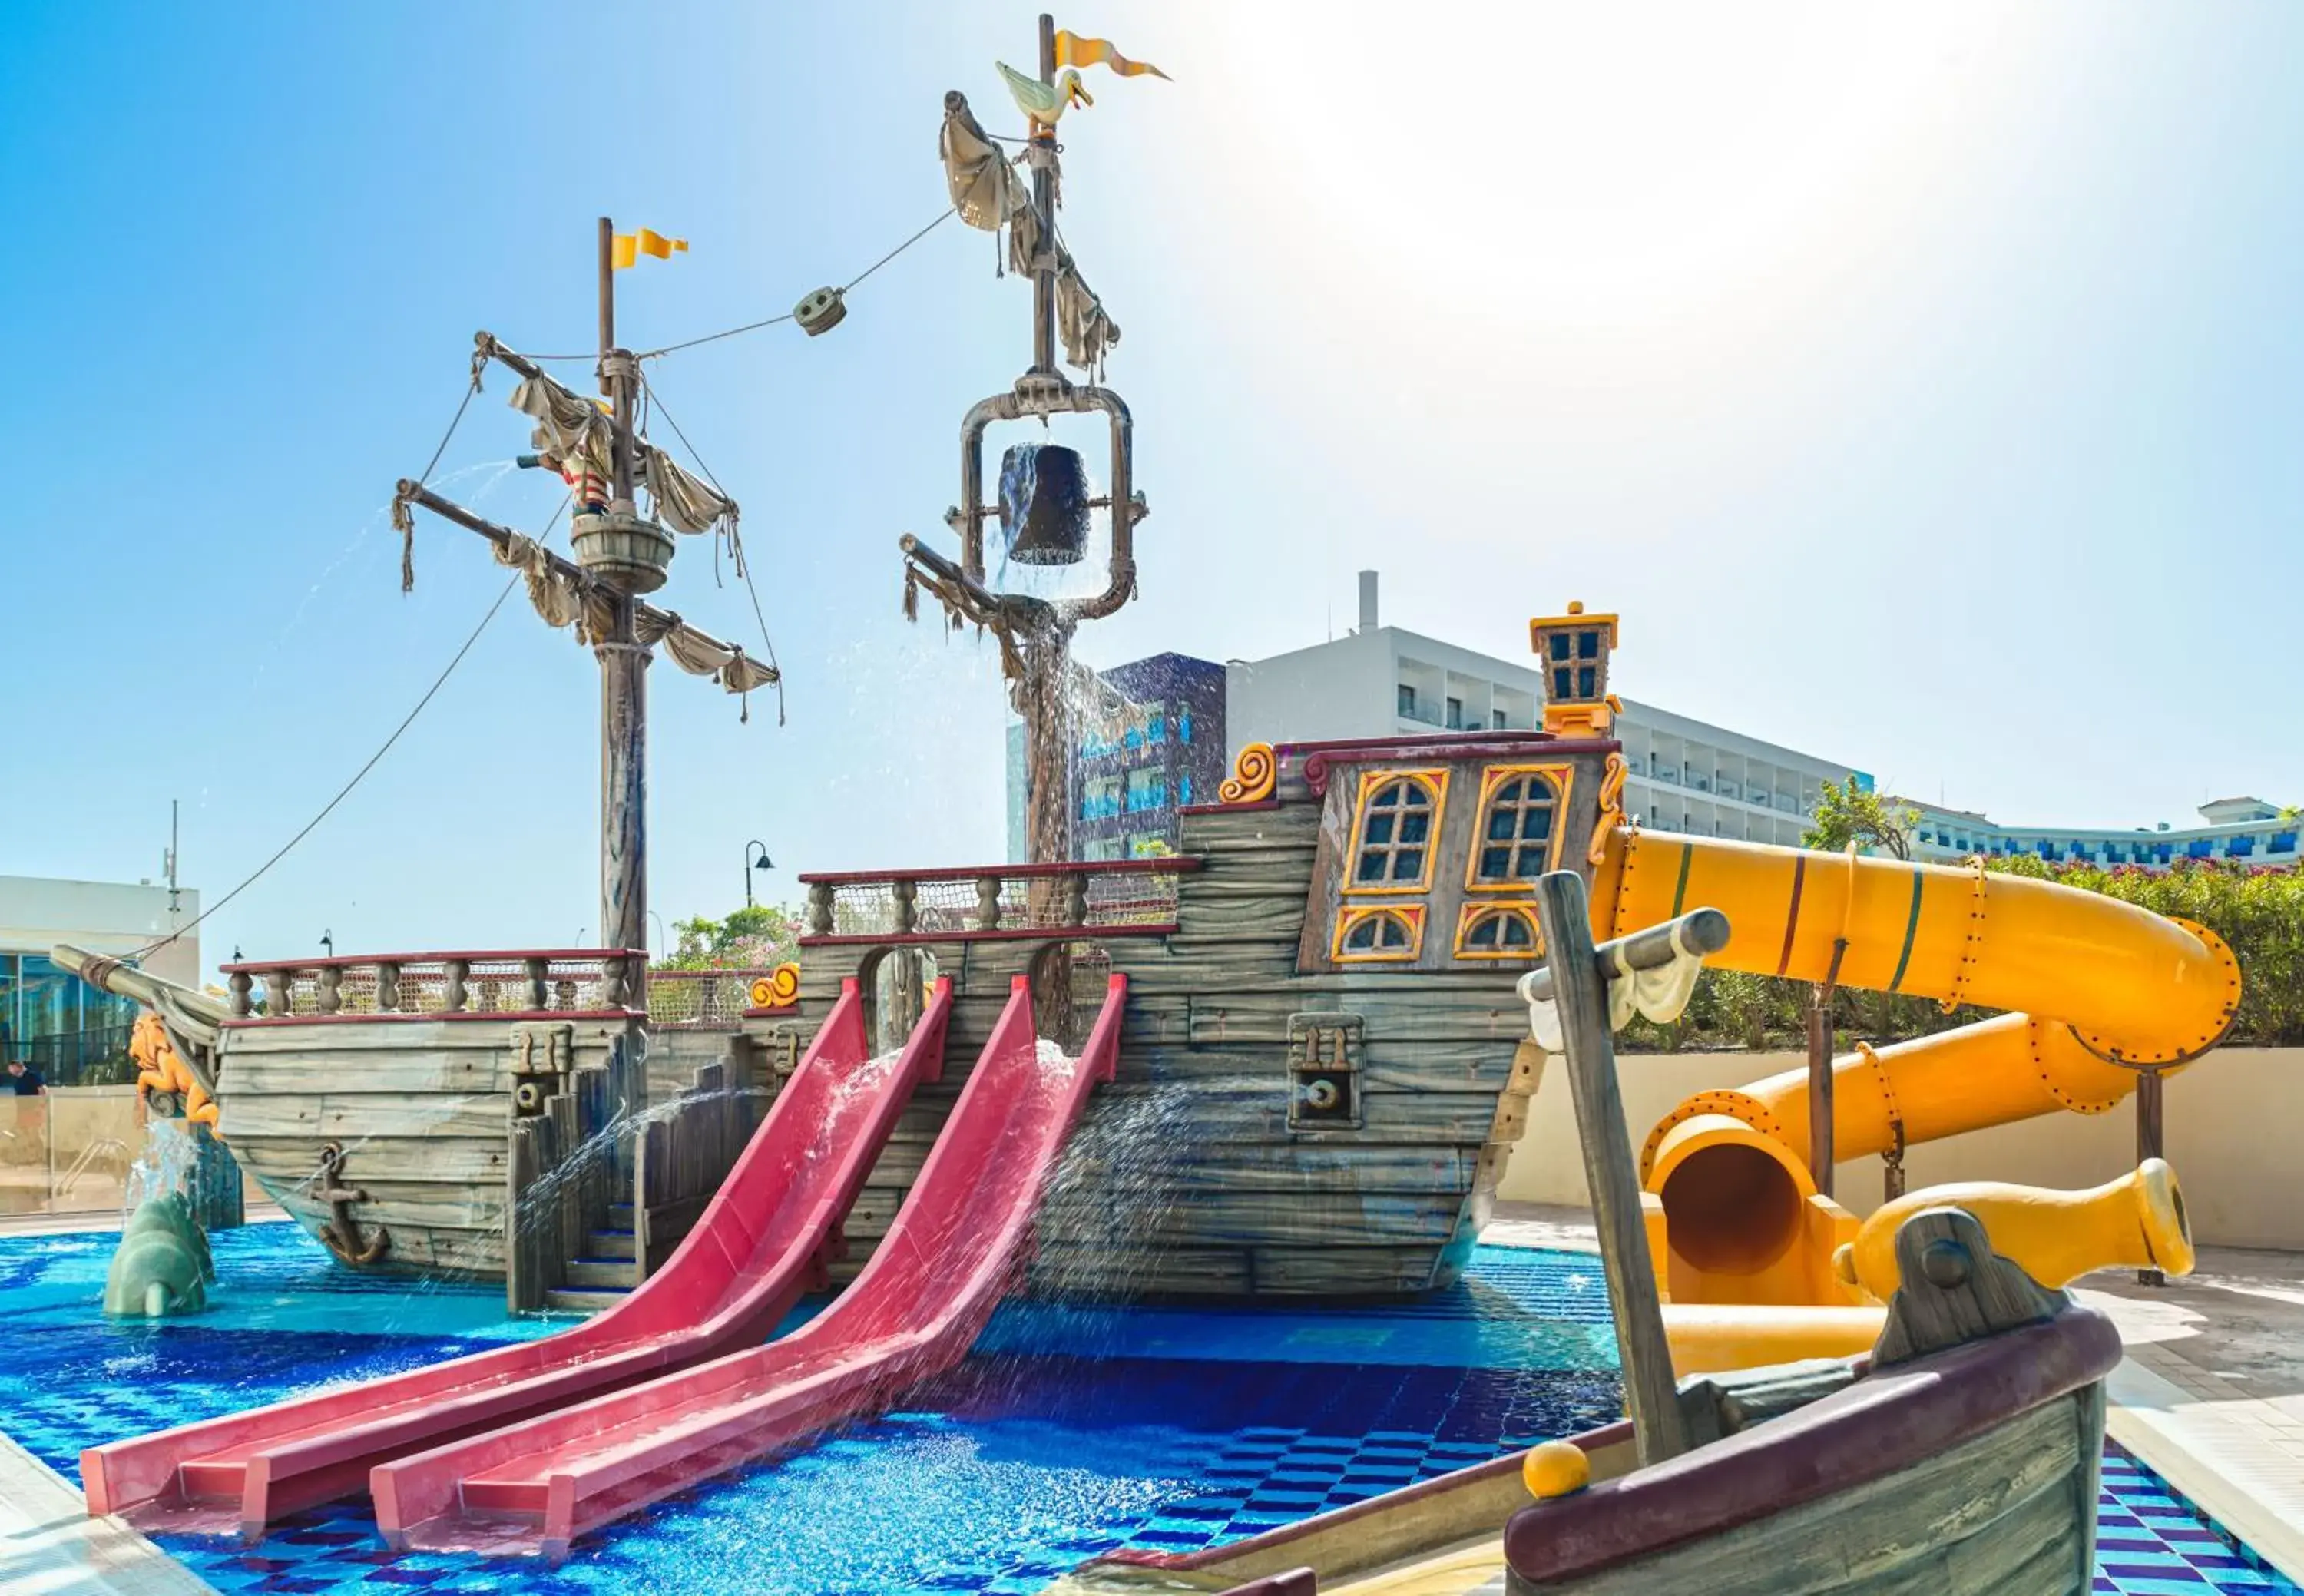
(757, 936)
(1848, 813)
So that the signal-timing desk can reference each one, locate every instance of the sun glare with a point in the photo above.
(1607, 157)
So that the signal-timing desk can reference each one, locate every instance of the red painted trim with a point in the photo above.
(1318, 757)
(348, 960)
(1070, 933)
(1228, 809)
(464, 1014)
(770, 1014)
(1085, 867)
(747, 973)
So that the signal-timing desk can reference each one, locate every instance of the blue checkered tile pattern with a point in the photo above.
(2150, 1542)
(1070, 1434)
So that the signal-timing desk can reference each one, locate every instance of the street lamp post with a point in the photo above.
(763, 863)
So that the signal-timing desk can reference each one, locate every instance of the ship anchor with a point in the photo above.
(342, 1233)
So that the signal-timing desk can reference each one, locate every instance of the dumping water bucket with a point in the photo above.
(1044, 505)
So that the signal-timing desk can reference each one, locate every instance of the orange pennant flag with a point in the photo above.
(1073, 50)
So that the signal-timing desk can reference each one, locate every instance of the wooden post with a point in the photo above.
(1651, 1394)
(1820, 1157)
(2150, 1105)
(1044, 189)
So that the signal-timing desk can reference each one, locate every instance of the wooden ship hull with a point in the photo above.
(1290, 1117)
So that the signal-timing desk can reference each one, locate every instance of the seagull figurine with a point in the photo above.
(1043, 103)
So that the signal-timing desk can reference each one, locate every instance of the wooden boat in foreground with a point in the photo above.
(1961, 1459)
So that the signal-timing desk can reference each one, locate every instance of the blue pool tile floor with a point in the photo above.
(1070, 1433)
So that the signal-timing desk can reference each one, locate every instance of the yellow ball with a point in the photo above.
(1555, 1469)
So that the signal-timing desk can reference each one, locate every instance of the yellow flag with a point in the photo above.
(629, 247)
(1073, 50)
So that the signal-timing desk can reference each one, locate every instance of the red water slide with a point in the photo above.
(765, 1239)
(912, 1312)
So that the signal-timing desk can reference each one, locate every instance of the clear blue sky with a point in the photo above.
(1923, 388)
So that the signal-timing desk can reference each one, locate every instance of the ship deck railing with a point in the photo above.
(1048, 902)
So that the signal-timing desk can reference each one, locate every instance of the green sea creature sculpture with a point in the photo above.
(162, 1265)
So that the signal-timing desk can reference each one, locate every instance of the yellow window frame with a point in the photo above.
(1473, 914)
(1435, 782)
(1562, 776)
(1352, 916)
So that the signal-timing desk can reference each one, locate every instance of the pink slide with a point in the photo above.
(912, 1312)
(765, 1239)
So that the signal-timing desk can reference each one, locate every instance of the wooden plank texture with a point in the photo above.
(1999, 1515)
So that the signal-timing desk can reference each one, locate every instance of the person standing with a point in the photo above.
(28, 1081)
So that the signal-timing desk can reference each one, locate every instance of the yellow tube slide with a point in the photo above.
(2093, 981)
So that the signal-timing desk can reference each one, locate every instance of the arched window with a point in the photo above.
(1498, 931)
(1518, 823)
(1370, 936)
(1398, 823)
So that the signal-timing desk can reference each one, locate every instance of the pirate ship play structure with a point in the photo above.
(1291, 1060)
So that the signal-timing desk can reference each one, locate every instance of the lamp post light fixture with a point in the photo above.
(751, 864)
(328, 941)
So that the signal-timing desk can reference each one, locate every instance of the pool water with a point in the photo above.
(1069, 1433)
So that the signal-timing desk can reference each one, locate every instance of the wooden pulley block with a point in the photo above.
(821, 312)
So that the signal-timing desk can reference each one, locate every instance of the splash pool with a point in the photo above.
(1069, 1433)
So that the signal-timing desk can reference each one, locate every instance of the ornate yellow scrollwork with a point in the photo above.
(1254, 775)
(779, 989)
(1611, 809)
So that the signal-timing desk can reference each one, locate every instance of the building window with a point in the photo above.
(1496, 719)
(1498, 931)
(1184, 727)
(1399, 822)
(1519, 831)
(1366, 935)
(1456, 715)
(1147, 789)
(1185, 787)
(1408, 700)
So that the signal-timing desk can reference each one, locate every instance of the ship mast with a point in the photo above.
(1035, 635)
(623, 662)
(620, 554)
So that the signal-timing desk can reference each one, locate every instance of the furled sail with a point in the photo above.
(564, 596)
(574, 429)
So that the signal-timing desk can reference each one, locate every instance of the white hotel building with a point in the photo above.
(1383, 681)
(1684, 776)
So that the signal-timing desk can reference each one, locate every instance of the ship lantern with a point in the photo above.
(1044, 505)
(1572, 652)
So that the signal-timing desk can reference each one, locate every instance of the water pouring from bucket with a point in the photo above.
(1044, 505)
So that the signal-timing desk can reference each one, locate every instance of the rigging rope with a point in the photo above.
(358, 776)
(743, 567)
(407, 528)
(751, 326)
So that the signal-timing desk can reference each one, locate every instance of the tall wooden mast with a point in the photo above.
(620, 554)
(623, 664)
